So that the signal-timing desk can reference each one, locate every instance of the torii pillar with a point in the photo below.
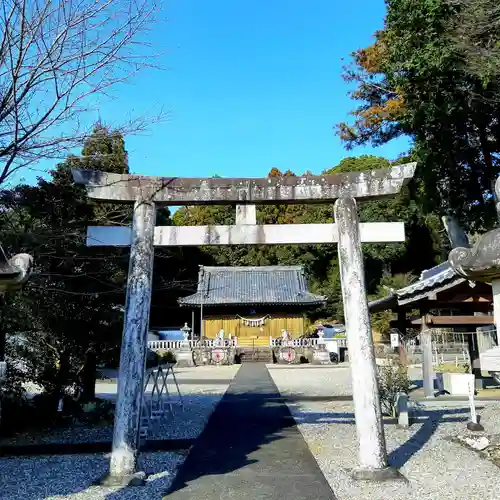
(343, 189)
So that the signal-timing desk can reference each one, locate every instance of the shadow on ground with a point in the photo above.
(426, 423)
(251, 446)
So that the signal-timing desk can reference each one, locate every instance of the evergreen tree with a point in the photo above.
(74, 301)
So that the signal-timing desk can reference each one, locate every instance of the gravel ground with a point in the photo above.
(71, 476)
(199, 401)
(310, 380)
(435, 467)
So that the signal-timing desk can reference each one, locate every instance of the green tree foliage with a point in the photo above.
(413, 81)
(421, 250)
(71, 308)
(476, 35)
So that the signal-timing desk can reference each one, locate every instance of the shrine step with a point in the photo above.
(257, 355)
(253, 342)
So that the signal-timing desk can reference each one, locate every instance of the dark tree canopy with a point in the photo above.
(414, 80)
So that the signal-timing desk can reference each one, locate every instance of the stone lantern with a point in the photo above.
(184, 355)
(185, 331)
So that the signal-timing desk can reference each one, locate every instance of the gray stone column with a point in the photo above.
(246, 214)
(134, 347)
(367, 410)
(427, 370)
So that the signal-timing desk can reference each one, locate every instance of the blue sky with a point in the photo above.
(250, 85)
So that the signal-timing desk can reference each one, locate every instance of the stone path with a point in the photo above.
(251, 449)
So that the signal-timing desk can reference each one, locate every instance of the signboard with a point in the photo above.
(287, 354)
(394, 340)
(218, 355)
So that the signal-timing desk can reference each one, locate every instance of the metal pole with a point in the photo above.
(367, 410)
(125, 446)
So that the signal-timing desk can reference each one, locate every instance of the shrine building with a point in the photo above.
(252, 303)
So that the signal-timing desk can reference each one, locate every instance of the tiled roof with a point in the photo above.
(431, 281)
(252, 285)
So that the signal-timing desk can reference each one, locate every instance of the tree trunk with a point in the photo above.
(89, 378)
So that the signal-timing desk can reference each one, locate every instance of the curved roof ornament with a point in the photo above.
(14, 272)
(482, 261)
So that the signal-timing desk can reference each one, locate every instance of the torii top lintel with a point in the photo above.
(371, 184)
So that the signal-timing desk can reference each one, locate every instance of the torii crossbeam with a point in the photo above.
(341, 189)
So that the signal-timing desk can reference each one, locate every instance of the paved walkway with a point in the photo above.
(251, 449)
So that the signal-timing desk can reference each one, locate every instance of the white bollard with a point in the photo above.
(474, 424)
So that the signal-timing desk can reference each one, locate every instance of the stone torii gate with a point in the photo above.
(343, 189)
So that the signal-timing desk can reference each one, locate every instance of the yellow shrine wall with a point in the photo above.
(231, 324)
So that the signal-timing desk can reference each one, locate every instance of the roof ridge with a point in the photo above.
(296, 267)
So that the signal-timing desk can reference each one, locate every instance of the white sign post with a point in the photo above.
(474, 424)
(394, 340)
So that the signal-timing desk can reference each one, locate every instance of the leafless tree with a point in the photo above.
(56, 58)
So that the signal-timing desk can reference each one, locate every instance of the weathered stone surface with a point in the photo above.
(184, 357)
(204, 356)
(15, 272)
(287, 189)
(482, 261)
(378, 475)
(477, 443)
(134, 344)
(367, 409)
(403, 411)
(246, 214)
(246, 234)
(321, 356)
(110, 481)
(427, 369)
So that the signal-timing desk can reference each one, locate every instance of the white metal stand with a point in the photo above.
(161, 401)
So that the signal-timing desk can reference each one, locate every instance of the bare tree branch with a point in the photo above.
(56, 58)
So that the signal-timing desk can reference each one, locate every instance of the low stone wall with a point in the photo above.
(214, 356)
(317, 355)
(226, 355)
